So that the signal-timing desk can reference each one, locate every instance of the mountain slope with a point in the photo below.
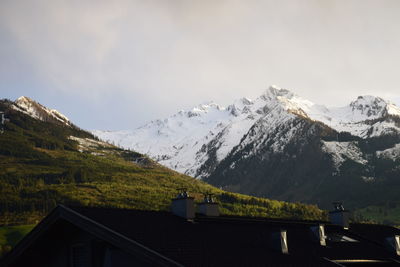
(194, 142)
(44, 162)
(282, 146)
(35, 110)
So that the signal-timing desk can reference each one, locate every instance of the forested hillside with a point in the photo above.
(46, 163)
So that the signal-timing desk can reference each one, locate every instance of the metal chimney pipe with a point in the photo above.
(339, 215)
(208, 207)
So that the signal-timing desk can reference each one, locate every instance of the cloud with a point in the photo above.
(168, 55)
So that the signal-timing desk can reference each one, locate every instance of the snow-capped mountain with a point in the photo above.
(360, 117)
(187, 140)
(279, 145)
(38, 111)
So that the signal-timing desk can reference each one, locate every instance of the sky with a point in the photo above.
(115, 65)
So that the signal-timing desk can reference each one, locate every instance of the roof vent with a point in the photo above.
(339, 215)
(208, 207)
(318, 233)
(279, 241)
(183, 204)
(394, 244)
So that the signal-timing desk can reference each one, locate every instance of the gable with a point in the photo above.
(65, 237)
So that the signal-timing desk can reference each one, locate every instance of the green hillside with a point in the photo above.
(46, 163)
(10, 235)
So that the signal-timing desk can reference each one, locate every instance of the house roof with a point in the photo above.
(62, 214)
(204, 241)
(222, 241)
(375, 232)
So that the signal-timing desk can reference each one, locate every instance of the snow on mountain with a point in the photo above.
(189, 140)
(179, 141)
(392, 153)
(341, 151)
(35, 110)
(357, 118)
(362, 117)
(88, 144)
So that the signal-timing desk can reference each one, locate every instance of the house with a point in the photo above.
(103, 237)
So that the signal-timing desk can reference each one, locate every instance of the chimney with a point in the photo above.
(318, 233)
(279, 241)
(208, 207)
(183, 205)
(394, 244)
(339, 215)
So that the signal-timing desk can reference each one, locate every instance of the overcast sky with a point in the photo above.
(118, 64)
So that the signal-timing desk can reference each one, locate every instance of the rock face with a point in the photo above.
(279, 145)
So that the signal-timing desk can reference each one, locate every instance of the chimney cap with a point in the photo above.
(208, 198)
(182, 193)
(338, 206)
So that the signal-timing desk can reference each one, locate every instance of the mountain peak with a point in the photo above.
(240, 106)
(23, 99)
(368, 100)
(370, 106)
(204, 109)
(207, 106)
(36, 110)
(274, 92)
